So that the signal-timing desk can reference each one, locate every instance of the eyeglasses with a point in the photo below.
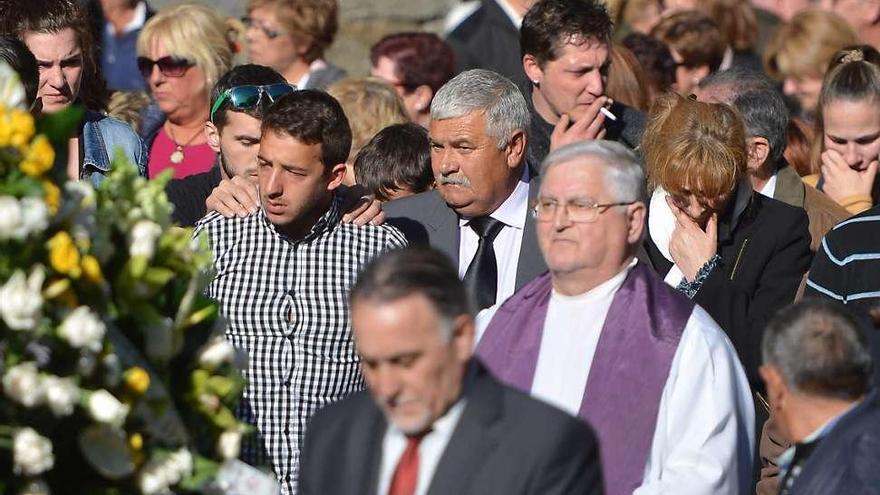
(249, 21)
(249, 96)
(576, 211)
(168, 66)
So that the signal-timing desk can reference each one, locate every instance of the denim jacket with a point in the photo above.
(102, 136)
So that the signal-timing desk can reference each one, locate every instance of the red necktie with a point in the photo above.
(406, 475)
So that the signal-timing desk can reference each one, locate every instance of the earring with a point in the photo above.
(536, 83)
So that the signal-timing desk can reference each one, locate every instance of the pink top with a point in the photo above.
(197, 158)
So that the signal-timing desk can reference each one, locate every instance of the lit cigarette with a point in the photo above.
(607, 113)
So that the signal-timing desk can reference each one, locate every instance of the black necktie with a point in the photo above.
(802, 452)
(481, 278)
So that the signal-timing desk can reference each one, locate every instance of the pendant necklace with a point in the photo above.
(177, 155)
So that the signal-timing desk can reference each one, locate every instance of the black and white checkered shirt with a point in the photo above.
(286, 305)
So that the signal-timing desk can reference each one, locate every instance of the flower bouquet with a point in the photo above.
(114, 376)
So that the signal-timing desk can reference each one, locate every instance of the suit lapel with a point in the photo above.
(789, 187)
(473, 439)
(369, 442)
(443, 224)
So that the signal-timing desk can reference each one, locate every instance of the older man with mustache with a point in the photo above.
(478, 213)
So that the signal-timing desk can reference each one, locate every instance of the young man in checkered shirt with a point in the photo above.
(283, 277)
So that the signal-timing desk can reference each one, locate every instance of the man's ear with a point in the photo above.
(516, 148)
(533, 69)
(759, 151)
(636, 213)
(337, 175)
(463, 330)
(776, 389)
(213, 135)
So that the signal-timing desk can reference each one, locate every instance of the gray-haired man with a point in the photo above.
(818, 369)
(478, 214)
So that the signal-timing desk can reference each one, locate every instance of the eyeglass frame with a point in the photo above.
(180, 61)
(599, 208)
(261, 89)
(271, 34)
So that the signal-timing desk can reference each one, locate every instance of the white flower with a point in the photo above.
(34, 216)
(10, 218)
(31, 452)
(83, 330)
(179, 465)
(36, 487)
(21, 301)
(143, 238)
(22, 384)
(216, 352)
(12, 94)
(105, 408)
(62, 394)
(229, 444)
(152, 479)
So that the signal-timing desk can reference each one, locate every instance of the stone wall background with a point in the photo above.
(361, 23)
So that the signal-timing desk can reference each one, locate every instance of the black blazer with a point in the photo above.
(763, 261)
(487, 39)
(847, 459)
(505, 443)
(426, 219)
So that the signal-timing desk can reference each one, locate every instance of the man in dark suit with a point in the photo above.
(478, 213)
(489, 39)
(565, 54)
(437, 422)
(817, 368)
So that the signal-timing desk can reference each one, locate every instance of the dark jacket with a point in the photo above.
(487, 39)
(763, 260)
(188, 195)
(505, 442)
(846, 460)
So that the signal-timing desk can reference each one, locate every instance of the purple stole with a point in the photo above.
(629, 371)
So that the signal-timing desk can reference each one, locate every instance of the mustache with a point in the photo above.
(453, 179)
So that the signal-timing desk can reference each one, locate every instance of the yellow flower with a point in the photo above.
(5, 131)
(91, 269)
(63, 255)
(136, 380)
(136, 446)
(52, 196)
(23, 128)
(39, 158)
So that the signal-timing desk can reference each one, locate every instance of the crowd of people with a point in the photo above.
(569, 246)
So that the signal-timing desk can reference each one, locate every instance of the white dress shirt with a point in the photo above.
(512, 213)
(704, 437)
(769, 188)
(430, 449)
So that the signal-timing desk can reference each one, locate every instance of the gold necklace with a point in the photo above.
(177, 155)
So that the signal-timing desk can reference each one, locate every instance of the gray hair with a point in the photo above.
(624, 172)
(736, 81)
(765, 115)
(818, 349)
(481, 90)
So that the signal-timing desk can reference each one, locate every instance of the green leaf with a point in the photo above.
(204, 470)
(60, 126)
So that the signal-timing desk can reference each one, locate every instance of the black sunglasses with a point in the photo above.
(168, 66)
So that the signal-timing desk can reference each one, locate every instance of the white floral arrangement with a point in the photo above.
(114, 378)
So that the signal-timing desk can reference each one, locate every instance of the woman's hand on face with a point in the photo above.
(841, 181)
(690, 246)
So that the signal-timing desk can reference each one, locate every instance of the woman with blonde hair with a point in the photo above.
(182, 51)
(799, 52)
(738, 254)
(370, 105)
(846, 148)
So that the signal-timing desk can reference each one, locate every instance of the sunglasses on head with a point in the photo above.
(168, 66)
(242, 97)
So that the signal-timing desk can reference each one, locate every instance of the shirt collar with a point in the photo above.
(137, 21)
(511, 13)
(600, 291)
(514, 209)
(769, 188)
(314, 66)
(785, 459)
(325, 223)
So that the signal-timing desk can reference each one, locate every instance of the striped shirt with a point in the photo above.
(846, 267)
(286, 306)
